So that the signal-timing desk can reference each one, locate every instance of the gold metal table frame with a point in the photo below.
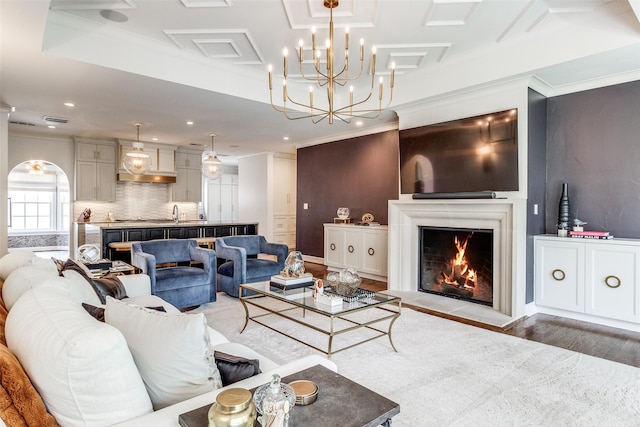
(301, 299)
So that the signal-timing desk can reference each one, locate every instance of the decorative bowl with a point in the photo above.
(344, 282)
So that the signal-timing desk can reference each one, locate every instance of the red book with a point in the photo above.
(589, 233)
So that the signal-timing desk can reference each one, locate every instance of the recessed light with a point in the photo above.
(69, 104)
(113, 15)
(189, 122)
(359, 123)
(286, 138)
(51, 127)
(154, 139)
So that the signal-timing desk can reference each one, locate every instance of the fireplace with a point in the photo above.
(456, 263)
(502, 221)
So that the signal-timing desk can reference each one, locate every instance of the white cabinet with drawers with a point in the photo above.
(361, 247)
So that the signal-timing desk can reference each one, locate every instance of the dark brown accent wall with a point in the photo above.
(593, 144)
(359, 173)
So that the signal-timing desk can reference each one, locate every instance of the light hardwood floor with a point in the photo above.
(614, 344)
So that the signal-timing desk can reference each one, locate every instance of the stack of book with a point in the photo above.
(590, 235)
(281, 282)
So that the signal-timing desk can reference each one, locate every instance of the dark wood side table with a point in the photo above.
(341, 402)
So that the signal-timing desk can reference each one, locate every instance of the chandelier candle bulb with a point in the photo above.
(361, 50)
(393, 73)
(313, 38)
(373, 61)
(285, 52)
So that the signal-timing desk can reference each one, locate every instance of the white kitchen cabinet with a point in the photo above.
(188, 185)
(163, 157)
(594, 277)
(222, 199)
(363, 248)
(267, 195)
(95, 171)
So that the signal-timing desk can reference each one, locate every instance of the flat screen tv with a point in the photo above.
(475, 154)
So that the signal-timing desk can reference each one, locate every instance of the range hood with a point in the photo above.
(150, 177)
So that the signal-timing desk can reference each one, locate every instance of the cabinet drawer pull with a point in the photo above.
(558, 274)
(350, 248)
(333, 246)
(371, 251)
(612, 279)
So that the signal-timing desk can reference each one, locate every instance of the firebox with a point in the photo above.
(457, 263)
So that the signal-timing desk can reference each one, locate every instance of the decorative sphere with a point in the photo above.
(343, 213)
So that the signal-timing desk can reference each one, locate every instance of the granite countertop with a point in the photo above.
(146, 223)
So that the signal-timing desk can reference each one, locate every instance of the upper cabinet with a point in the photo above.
(163, 157)
(188, 185)
(95, 170)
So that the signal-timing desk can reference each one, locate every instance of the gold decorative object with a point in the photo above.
(367, 218)
(233, 407)
(330, 77)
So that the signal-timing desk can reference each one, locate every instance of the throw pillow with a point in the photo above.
(235, 368)
(107, 285)
(82, 369)
(172, 351)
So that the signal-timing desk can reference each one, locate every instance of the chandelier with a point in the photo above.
(331, 77)
(36, 167)
(211, 165)
(136, 161)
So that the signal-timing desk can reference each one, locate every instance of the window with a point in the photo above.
(38, 202)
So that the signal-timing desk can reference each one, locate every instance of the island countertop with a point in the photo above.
(102, 233)
(146, 223)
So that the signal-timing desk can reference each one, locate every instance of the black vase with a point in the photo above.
(563, 208)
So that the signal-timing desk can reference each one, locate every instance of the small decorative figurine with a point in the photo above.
(318, 288)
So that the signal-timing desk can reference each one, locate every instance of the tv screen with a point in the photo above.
(475, 154)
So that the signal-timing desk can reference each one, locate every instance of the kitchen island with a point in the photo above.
(103, 233)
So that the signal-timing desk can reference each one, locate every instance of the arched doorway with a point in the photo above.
(39, 208)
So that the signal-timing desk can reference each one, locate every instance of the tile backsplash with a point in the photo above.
(135, 200)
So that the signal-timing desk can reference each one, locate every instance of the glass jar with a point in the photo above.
(274, 400)
(233, 408)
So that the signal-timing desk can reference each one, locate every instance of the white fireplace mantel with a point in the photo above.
(505, 217)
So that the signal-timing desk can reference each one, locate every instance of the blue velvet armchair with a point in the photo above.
(242, 264)
(179, 283)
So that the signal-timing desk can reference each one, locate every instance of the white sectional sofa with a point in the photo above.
(141, 367)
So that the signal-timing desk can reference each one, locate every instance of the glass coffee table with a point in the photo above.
(371, 311)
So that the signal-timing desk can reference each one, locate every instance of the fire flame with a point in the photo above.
(461, 274)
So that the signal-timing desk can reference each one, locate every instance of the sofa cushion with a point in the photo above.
(176, 277)
(82, 368)
(256, 269)
(235, 368)
(82, 290)
(172, 351)
(14, 260)
(21, 280)
(106, 285)
(98, 312)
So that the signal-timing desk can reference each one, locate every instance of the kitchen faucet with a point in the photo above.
(174, 214)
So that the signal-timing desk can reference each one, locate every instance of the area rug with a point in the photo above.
(447, 373)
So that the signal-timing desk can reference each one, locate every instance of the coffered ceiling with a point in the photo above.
(165, 62)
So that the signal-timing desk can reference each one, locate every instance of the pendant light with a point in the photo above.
(211, 165)
(136, 161)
